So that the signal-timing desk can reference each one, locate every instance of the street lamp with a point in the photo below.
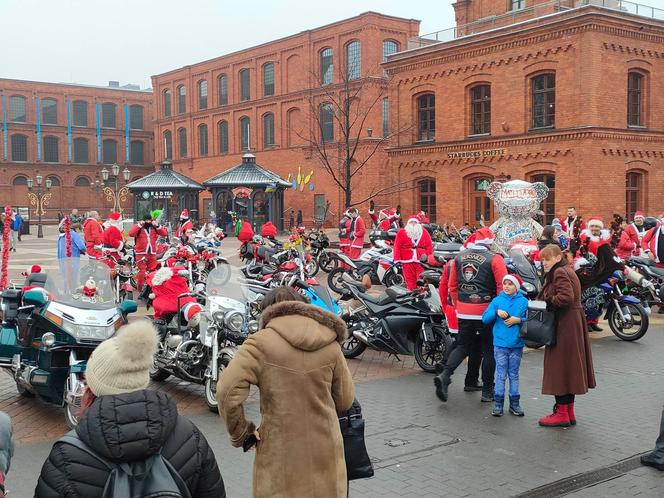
(112, 191)
(39, 199)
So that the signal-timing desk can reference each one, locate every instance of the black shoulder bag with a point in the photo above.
(539, 329)
(358, 463)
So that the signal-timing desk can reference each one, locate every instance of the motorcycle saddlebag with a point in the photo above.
(11, 299)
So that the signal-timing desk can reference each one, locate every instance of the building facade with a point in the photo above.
(569, 93)
(68, 134)
(282, 102)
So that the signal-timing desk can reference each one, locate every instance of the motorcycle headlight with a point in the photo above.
(218, 316)
(48, 339)
(234, 320)
(252, 326)
(528, 287)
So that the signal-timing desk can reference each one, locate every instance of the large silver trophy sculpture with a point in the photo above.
(517, 202)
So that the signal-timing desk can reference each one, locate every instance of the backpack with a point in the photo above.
(153, 477)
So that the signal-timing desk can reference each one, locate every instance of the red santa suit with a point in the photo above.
(112, 238)
(167, 285)
(626, 246)
(636, 232)
(594, 241)
(93, 234)
(185, 224)
(145, 246)
(355, 229)
(246, 233)
(653, 243)
(344, 239)
(269, 230)
(445, 299)
(410, 244)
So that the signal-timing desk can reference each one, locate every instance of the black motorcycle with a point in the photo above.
(397, 322)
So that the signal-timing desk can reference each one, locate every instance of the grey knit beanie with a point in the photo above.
(121, 364)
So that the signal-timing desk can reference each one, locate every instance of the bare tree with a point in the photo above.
(347, 106)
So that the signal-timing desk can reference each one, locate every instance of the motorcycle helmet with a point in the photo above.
(650, 222)
(257, 239)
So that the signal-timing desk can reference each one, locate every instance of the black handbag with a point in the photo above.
(358, 463)
(539, 329)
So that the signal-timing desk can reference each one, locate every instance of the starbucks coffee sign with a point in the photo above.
(476, 154)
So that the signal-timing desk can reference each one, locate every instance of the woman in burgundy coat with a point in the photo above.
(568, 364)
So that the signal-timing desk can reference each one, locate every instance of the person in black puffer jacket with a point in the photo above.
(124, 422)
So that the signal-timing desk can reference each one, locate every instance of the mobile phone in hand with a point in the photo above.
(249, 441)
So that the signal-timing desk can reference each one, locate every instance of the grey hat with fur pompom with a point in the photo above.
(122, 364)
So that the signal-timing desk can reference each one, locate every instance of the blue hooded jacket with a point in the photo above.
(514, 305)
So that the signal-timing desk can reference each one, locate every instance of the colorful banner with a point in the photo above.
(38, 127)
(4, 128)
(98, 119)
(69, 129)
(126, 116)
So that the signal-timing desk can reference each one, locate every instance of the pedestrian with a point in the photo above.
(74, 216)
(410, 244)
(184, 224)
(506, 313)
(16, 223)
(594, 236)
(355, 229)
(6, 449)
(146, 233)
(213, 219)
(303, 381)
(113, 238)
(344, 235)
(548, 237)
(476, 277)
(299, 218)
(77, 242)
(652, 244)
(60, 216)
(655, 458)
(124, 422)
(19, 220)
(568, 223)
(93, 233)
(568, 364)
(558, 235)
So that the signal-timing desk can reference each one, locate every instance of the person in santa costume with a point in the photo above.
(422, 216)
(410, 244)
(594, 236)
(145, 234)
(621, 240)
(246, 232)
(167, 283)
(93, 233)
(568, 223)
(636, 230)
(355, 229)
(344, 239)
(184, 225)
(652, 244)
(112, 238)
(269, 230)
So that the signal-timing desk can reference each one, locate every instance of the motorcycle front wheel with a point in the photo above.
(334, 279)
(429, 354)
(352, 347)
(311, 267)
(70, 417)
(157, 374)
(211, 386)
(326, 262)
(635, 329)
(393, 278)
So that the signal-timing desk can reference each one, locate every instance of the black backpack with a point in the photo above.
(153, 477)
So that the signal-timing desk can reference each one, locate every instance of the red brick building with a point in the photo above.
(69, 134)
(560, 92)
(276, 100)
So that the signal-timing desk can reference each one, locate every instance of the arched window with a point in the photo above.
(17, 109)
(326, 123)
(182, 142)
(167, 103)
(353, 60)
(548, 205)
(82, 181)
(109, 151)
(427, 197)
(182, 99)
(108, 115)
(202, 94)
(80, 112)
(222, 89)
(426, 117)
(480, 109)
(268, 130)
(136, 152)
(223, 137)
(55, 181)
(51, 150)
(203, 140)
(136, 117)
(268, 79)
(81, 150)
(168, 145)
(245, 123)
(543, 88)
(480, 206)
(633, 193)
(20, 181)
(634, 99)
(49, 111)
(326, 66)
(19, 145)
(245, 85)
(389, 47)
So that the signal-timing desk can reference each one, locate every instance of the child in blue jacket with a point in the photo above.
(506, 312)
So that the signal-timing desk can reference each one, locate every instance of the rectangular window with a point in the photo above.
(19, 148)
(80, 113)
(634, 96)
(480, 97)
(49, 112)
(167, 103)
(51, 150)
(222, 83)
(182, 99)
(202, 95)
(544, 101)
(202, 140)
(223, 137)
(426, 105)
(108, 116)
(327, 123)
(168, 145)
(353, 60)
(244, 85)
(268, 79)
(109, 152)
(386, 117)
(136, 117)
(268, 130)
(17, 111)
(80, 151)
(136, 152)
(517, 4)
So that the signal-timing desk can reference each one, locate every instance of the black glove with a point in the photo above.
(372, 205)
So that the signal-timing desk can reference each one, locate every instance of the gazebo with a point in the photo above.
(167, 190)
(249, 190)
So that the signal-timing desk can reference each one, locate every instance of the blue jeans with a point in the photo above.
(508, 361)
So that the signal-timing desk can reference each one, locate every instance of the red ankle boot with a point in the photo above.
(559, 417)
(570, 414)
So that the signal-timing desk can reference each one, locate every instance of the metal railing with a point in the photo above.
(528, 13)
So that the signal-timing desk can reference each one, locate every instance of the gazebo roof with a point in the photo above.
(165, 178)
(246, 174)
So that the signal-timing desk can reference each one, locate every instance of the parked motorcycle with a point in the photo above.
(648, 283)
(49, 333)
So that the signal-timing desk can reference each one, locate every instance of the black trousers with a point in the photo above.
(473, 336)
(565, 399)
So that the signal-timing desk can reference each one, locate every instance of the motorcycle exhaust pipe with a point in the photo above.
(361, 336)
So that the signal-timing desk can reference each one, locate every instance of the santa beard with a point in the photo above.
(414, 231)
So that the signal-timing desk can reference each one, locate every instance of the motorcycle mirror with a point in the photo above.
(128, 306)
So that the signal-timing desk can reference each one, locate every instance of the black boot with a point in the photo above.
(477, 386)
(595, 328)
(651, 460)
(442, 382)
(487, 394)
(515, 407)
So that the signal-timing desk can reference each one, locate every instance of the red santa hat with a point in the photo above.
(115, 217)
(414, 219)
(484, 237)
(383, 214)
(470, 240)
(422, 216)
(35, 269)
(515, 279)
(184, 215)
(192, 313)
(595, 221)
(639, 214)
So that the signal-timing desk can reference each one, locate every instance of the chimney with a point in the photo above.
(114, 84)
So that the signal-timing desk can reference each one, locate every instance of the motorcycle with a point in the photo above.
(48, 333)
(647, 282)
(319, 244)
(397, 322)
(200, 354)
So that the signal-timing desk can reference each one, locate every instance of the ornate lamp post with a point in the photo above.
(39, 199)
(113, 191)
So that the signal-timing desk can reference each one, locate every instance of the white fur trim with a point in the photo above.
(595, 222)
(604, 234)
(512, 279)
(162, 275)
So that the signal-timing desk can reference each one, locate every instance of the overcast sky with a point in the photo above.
(94, 41)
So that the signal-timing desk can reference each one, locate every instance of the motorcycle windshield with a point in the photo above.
(524, 268)
(81, 284)
(225, 283)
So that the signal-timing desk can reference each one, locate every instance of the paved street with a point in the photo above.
(423, 448)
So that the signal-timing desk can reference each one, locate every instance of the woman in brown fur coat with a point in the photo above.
(303, 379)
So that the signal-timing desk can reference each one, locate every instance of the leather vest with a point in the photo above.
(475, 281)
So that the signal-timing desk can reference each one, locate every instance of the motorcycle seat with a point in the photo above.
(657, 271)
(381, 300)
(265, 253)
(37, 279)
